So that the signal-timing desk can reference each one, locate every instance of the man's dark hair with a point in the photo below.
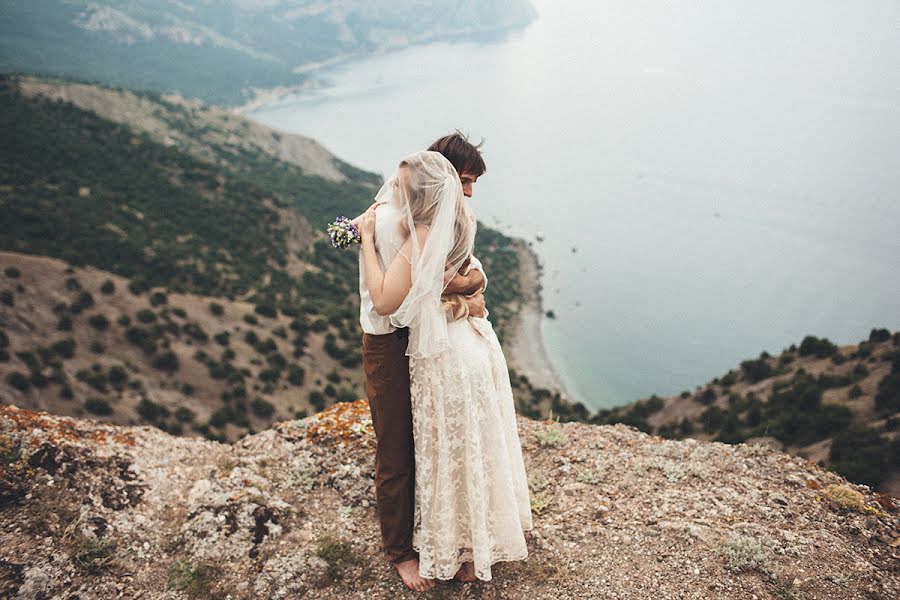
(462, 154)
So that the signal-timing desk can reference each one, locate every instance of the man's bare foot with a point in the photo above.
(409, 573)
(466, 573)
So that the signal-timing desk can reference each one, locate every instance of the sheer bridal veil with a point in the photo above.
(427, 192)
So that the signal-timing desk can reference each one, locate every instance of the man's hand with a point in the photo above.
(476, 305)
(470, 283)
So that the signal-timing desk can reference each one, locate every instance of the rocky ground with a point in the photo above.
(89, 510)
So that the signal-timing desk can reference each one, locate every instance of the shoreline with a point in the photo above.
(264, 96)
(525, 347)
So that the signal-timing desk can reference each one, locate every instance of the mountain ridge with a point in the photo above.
(226, 52)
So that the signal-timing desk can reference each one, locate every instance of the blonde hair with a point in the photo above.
(423, 212)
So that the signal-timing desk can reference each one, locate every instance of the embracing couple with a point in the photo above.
(450, 481)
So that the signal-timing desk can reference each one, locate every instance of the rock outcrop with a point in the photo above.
(89, 510)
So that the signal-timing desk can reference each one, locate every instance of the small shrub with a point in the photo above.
(179, 312)
(195, 580)
(151, 411)
(223, 338)
(216, 309)
(844, 498)
(64, 348)
(266, 310)
(99, 322)
(551, 435)
(7, 298)
(296, 374)
(267, 346)
(118, 376)
(876, 336)
(262, 408)
(167, 361)
(539, 503)
(337, 553)
(108, 287)
(97, 347)
(64, 324)
(317, 400)
(818, 347)
(19, 381)
(141, 338)
(855, 392)
(12, 272)
(146, 315)
(346, 395)
(756, 370)
(138, 286)
(92, 555)
(713, 418)
(251, 319)
(158, 299)
(4, 339)
(84, 301)
(98, 406)
(708, 396)
(124, 320)
(184, 414)
(729, 379)
(195, 331)
(222, 416)
(743, 554)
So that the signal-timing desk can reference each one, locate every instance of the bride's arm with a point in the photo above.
(387, 289)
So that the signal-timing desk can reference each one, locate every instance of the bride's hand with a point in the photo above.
(366, 223)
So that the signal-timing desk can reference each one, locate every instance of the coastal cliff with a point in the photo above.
(97, 511)
(229, 52)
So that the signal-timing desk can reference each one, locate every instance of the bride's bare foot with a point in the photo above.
(409, 573)
(466, 572)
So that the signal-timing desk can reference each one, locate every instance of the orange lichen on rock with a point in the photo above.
(343, 423)
(57, 429)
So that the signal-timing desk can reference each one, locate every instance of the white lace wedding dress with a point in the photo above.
(471, 493)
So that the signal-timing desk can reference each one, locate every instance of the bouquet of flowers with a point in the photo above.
(343, 233)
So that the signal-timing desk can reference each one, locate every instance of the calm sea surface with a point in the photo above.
(710, 180)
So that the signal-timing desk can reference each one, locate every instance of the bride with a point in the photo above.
(471, 492)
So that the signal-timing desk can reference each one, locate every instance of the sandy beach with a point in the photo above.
(524, 347)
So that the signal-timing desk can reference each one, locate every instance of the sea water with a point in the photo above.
(702, 181)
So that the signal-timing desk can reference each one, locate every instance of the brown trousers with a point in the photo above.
(387, 388)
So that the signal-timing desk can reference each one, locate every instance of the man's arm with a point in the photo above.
(466, 284)
(469, 280)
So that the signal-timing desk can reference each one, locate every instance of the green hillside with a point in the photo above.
(233, 305)
(222, 51)
(838, 406)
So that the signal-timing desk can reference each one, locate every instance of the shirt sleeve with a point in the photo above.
(474, 263)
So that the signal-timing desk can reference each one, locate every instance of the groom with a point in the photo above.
(387, 377)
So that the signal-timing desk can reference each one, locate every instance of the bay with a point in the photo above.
(709, 180)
